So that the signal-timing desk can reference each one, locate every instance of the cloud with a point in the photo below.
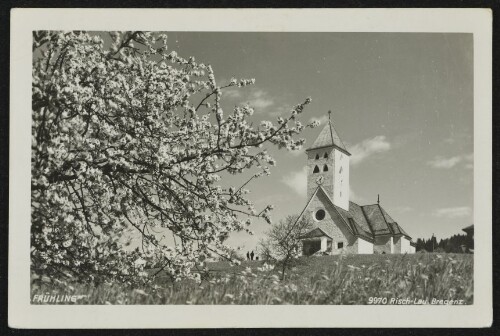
(260, 99)
(441, 162)
(469, 161)
(355, 197)
(254, 97)
(280, 110)
(369, 147)
(296, 153)
(444, 163)
(297, 181)
(454, 212)
(232, 92)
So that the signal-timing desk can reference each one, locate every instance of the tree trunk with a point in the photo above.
(285, 262)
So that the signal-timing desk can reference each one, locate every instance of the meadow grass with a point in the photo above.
(350, 279)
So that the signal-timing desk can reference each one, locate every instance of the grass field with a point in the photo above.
(351, 279)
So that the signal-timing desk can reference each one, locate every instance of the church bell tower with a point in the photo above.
(328, 166)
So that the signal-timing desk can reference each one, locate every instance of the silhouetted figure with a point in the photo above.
(248, 255)
(251, 255)
(256, 258)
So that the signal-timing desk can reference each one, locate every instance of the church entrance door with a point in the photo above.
(310, 247)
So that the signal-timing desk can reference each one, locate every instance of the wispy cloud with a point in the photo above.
(369, 147)
(355, 197)
(296, 153)
(260, 99)
(232, 92)
(280, 110)
(453, 212)
(297, 181)
(441, 162)
(469, 161)
(257, 98)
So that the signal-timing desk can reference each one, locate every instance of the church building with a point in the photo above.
(339, 225)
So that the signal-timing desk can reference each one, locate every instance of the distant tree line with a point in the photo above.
(456, 244)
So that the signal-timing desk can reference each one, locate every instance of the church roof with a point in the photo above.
(469, 228)
(376, 219)
(352, 226)
(380, 221)
(365, 221)
(356, 219)
(328, 137)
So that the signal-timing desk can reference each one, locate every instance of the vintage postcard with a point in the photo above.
(250, 168)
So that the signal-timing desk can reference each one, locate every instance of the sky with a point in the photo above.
(401, 102)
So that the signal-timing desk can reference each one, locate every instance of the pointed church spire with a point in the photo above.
(329, 152)
(329, 137)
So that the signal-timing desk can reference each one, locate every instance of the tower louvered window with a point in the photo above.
(325, 168)
(325, 156)
(317, 157)
(316, 170)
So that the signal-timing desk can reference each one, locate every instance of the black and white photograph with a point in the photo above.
(181, 168)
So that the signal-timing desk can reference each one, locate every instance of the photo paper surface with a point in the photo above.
(258, 171)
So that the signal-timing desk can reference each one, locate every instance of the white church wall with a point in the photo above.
(397, 245)
(341, 180)
(364, 247)
(323, 244)
(332, 224)
(383, 244)
(352, 248)
(405, 245)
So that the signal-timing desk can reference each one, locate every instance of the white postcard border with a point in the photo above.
(23, 21)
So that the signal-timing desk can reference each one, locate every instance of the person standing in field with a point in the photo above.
(251, 255)
(248, 255)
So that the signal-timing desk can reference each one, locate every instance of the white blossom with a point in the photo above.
(121, 144)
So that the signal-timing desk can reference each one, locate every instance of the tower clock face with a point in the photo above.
(320, 180)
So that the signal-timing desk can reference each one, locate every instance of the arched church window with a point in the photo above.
(317, 157)
(325, 168)
(316, 170)
(325, 156)
(320, 214)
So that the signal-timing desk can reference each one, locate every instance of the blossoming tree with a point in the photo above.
(128, 136)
